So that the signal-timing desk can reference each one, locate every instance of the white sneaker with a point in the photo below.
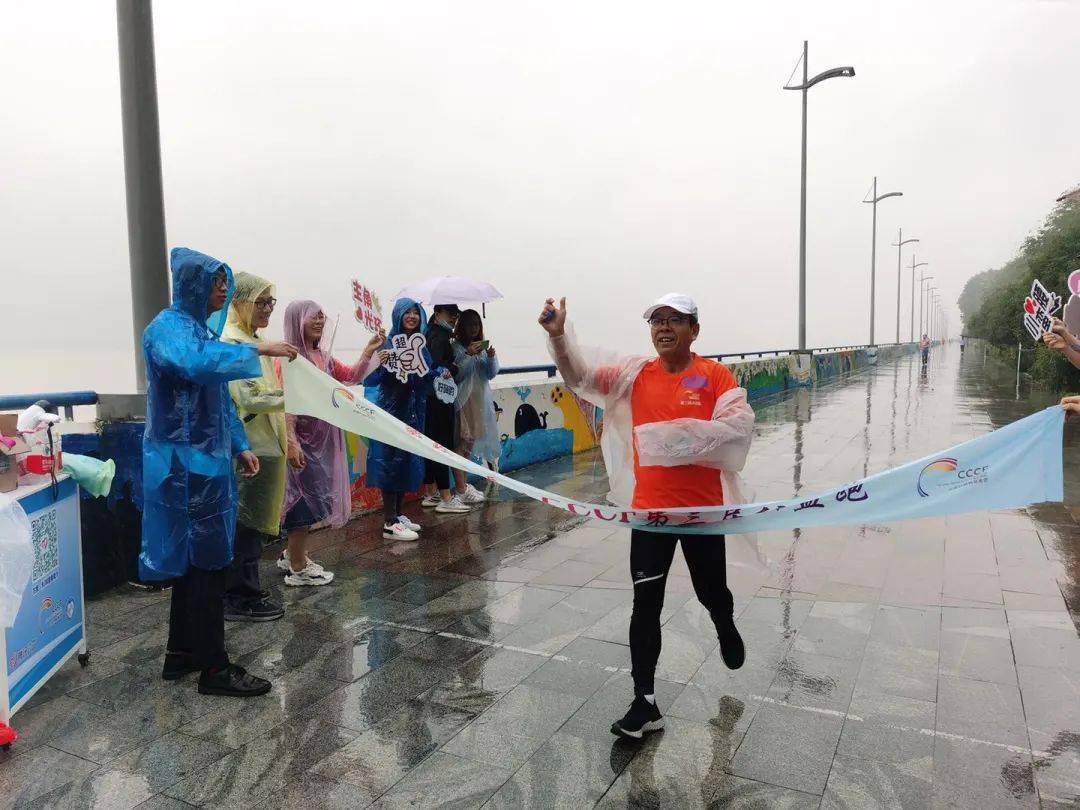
(395, 531)
(472, 495)
(454, 506)
(408, 524)
(309, 576)
(431, 501)
(283, 563)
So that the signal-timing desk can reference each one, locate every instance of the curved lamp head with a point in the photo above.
(832, 73)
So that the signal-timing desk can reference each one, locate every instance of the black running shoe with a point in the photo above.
(642, 718)
(177, 665)
(261, 611)
(232, 681)
(732, 649)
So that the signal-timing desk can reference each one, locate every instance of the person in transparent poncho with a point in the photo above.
(478, 431)
(677, 429)
(317, 481)
(260, 404)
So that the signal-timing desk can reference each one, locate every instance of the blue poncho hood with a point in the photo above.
(401, 306)
(193, 281)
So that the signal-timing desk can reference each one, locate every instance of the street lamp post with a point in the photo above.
(912, 326)
(807, 83)
(922, 296)
(929, 297)
(900, 242)
(875, 199)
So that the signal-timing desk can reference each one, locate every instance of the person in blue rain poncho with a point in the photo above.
(189, 492)
(396, 471)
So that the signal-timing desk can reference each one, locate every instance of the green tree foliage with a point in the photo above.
(992, 301)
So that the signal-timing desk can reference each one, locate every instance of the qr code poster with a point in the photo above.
(43, 531)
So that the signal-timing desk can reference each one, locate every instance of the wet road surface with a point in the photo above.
(925, 664)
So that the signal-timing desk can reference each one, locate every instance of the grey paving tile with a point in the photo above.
(907, 626)
(661, 782)
(574, 677)
(859, 783)
(263, 766)
(903, 671)
(789, 747)
(513, 728)
(978, 657)
(836, 629)
(72, 675)
(973, 774)
(381, 756)
(370, 650)
(445, 781)
(982, 710)
(114, 790)
(805, 679)
(478, 683)
(26, 776)
(316, 793)
(361, 704)
(888, 728)
(565, 771)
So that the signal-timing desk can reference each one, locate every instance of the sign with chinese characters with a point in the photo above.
(366, 308)
(446, 388)
(406, 356)
(1039, 309)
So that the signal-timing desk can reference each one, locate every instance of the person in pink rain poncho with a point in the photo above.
(317, 482)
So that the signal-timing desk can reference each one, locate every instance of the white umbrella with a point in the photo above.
(449, 290)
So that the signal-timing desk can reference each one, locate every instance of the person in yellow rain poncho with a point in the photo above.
(260, 404)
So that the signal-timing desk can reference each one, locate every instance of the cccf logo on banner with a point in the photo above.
(946, 474)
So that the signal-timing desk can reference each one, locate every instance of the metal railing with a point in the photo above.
(57, 399)
(551, 371)
(69, 399)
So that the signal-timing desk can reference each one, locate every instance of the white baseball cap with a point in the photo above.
(677, 301)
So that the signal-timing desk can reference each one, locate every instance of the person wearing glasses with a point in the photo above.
(677, 429)
(260, 404)
(191, 440)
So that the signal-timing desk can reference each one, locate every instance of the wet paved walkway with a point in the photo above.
(926, 664)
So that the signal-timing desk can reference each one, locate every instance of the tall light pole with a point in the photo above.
(922, 296)
(900, 242)
(875, 199)
(929, 297)
(913, 266)
(142, 171)
(807, 83)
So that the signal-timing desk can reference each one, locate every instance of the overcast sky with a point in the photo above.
(607, 151)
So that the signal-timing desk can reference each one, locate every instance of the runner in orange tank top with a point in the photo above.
(682, 443)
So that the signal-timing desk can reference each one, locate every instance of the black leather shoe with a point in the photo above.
(732, 649)
(232, 681)
(177, 665)
(262, 611)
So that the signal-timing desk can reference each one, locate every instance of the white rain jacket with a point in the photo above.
(607, 380)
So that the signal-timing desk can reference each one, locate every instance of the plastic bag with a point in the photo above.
(721, 443)
(93, 475)
(16, 558)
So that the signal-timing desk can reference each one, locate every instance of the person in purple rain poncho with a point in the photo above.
(317, 483)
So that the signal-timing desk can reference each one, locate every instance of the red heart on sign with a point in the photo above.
(1029, 306)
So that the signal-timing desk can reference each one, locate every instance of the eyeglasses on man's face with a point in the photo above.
(656, 322)
(265, 304)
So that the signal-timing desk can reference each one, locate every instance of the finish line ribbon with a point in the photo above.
(1011, 467)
